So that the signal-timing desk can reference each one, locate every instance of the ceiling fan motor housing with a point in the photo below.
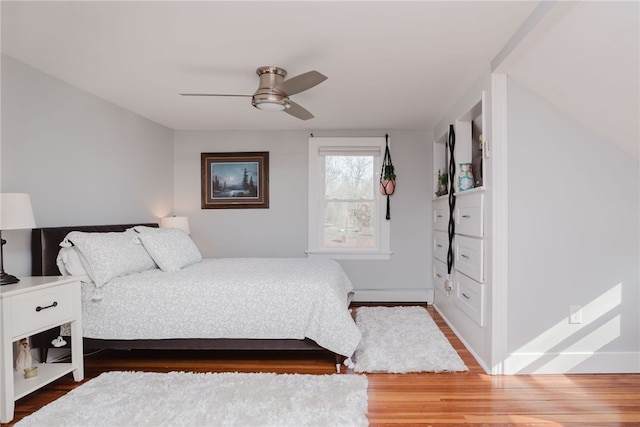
(267, 98)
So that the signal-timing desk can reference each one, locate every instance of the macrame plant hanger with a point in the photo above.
(448, 285)
(387, 176)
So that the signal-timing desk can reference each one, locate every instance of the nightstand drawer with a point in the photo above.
(38, 310)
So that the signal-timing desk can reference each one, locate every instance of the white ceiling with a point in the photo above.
(391, 64)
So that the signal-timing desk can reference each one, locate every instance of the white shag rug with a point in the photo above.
(401, 340)
(210, 399)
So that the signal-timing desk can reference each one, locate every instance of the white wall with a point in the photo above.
(83, 160)
(86, 161)
(281, 230)
(573, 240)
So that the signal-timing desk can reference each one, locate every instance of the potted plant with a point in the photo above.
(443, 180)
(388, 180)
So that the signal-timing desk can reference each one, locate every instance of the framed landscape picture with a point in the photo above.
(235, 180)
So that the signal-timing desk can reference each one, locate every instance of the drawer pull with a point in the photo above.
(464, 295)
(464, 256)
(466, 216)
(55, 303)
(438, 276)
(438, 216)
(439, 246)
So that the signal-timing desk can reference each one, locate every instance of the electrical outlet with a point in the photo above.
(575, 314)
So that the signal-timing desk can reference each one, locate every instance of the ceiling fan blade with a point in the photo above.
(213, 94)
(298, 111)
(301, 82)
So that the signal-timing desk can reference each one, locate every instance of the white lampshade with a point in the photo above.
(16, 212)
(181, 222)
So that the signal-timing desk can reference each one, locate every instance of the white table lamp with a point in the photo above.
(16, 213)
(181, 222)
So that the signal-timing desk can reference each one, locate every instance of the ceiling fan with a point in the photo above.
(274, 91)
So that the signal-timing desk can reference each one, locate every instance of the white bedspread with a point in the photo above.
(269, 298)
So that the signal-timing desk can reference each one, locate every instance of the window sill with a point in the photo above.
(350, 255)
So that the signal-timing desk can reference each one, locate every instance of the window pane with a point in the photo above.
(349, 210)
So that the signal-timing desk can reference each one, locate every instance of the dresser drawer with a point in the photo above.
(470, 257)
(468, 215)
(441, 214)
(470, 298)
(439, 275)
(31, 312)
(440, 245)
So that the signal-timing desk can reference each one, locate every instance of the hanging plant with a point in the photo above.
(387, 176)
(388, 181)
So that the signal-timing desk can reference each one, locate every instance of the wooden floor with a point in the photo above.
(449, 399)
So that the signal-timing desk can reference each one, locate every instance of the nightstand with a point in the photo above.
(33, 305)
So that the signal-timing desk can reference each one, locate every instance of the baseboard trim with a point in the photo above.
(463, 341)
(573, 363)
(394, 295)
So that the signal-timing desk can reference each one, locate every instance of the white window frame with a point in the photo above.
(319, 147)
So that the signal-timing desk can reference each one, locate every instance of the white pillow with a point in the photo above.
(171, 248)
(110, 255)
(69, 262)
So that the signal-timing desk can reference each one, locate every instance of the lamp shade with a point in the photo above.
(16, 212)
(181, 222)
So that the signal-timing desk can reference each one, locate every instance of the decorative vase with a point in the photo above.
(465, 179)
(387, 187)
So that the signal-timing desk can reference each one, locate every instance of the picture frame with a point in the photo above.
(235, 180)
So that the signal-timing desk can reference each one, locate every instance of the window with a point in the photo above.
(346, 209)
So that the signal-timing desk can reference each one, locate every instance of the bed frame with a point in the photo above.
(45, 244)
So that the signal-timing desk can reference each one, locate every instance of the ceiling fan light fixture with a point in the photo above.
(271, 105)
(270, 101)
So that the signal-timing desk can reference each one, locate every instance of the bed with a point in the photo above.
(199, 304)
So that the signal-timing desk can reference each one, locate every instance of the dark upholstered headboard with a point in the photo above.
(45, 244)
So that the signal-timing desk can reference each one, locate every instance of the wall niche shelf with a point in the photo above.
(466, 289)
(470, 147)
(440, 162)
